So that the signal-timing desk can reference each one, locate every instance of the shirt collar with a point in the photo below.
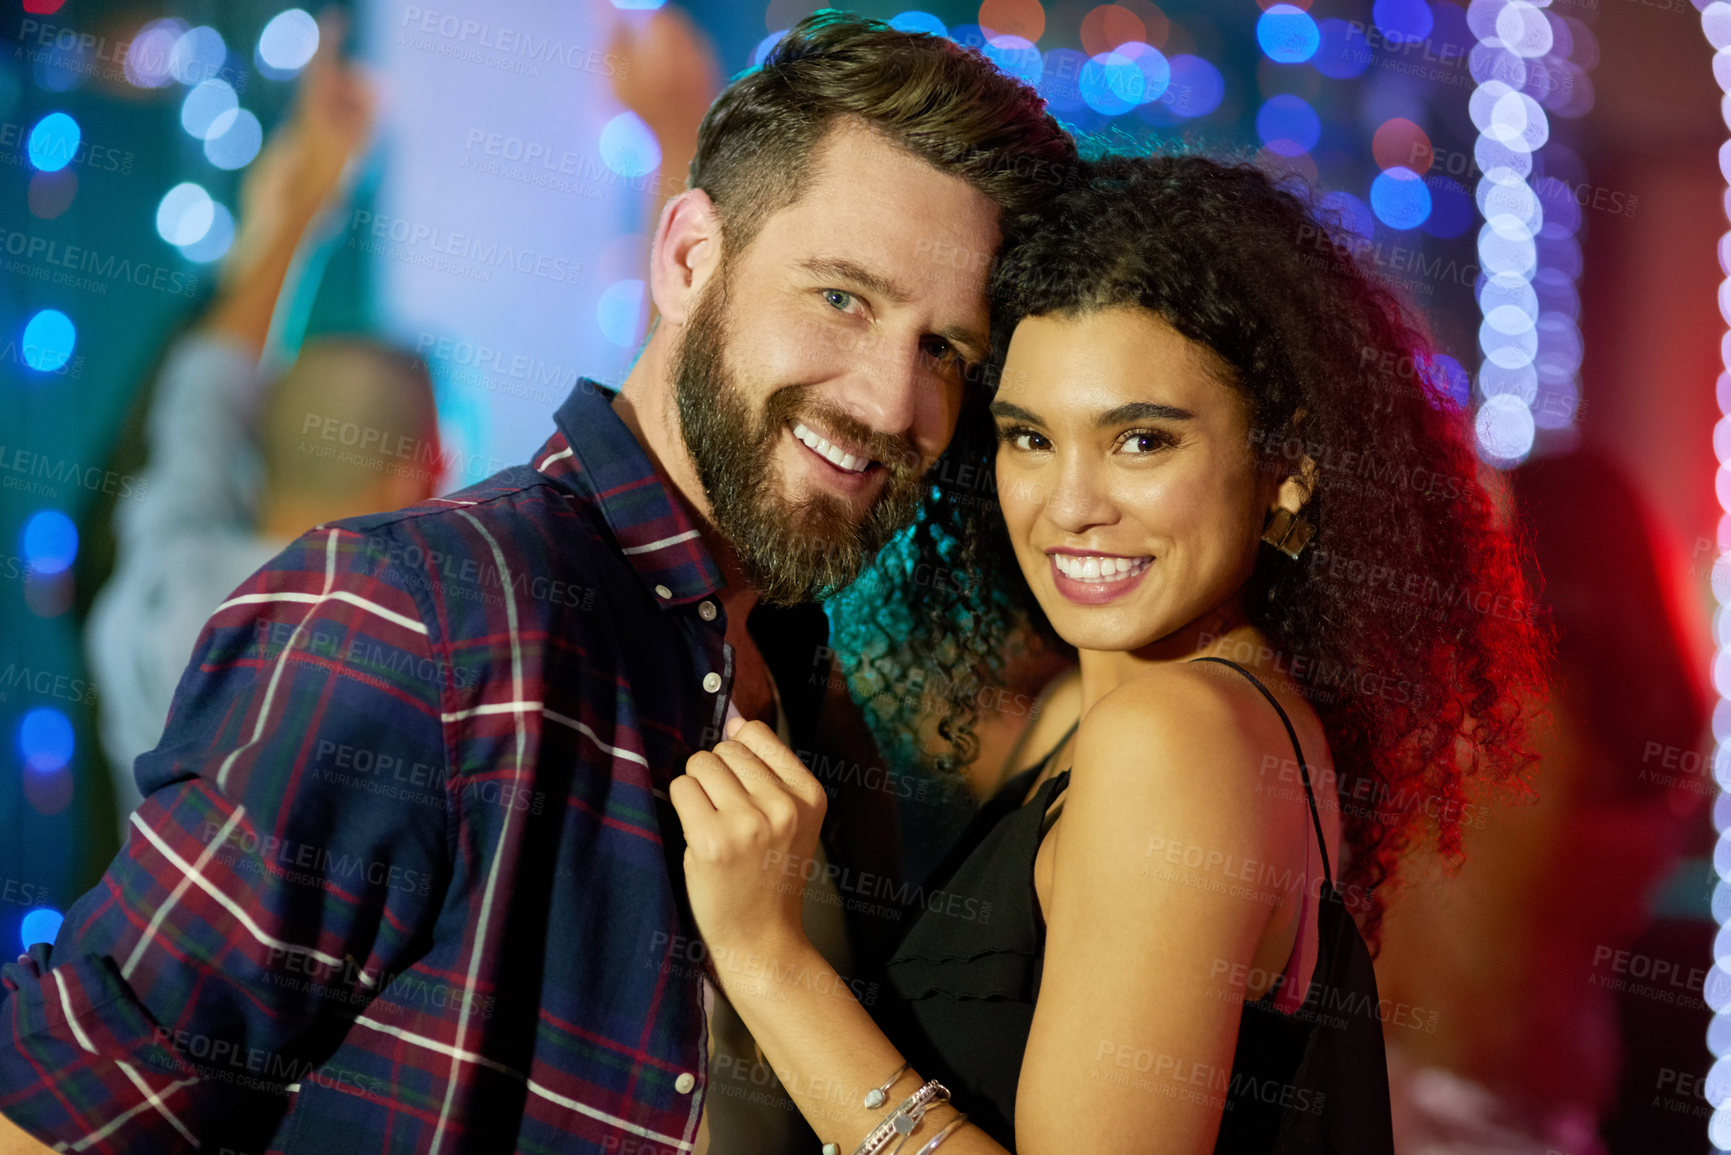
(595, 454)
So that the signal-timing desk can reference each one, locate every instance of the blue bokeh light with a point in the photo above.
(216, 240)
(1403, 21)
(40, 925)
(1288, 125)
(50, 541)
(1152, 63)
(917, 21)
(1287, 34)
(629, 147)
(1449, 378)
(45, 740)
(1399, 198)
(53, 142)
(1112, 84)
(1196, 88)
(49, 338)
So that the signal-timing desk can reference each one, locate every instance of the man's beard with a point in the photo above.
(789, 552)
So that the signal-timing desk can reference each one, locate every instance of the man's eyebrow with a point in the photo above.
(970, 341)
(842, 269)
(1120, 415)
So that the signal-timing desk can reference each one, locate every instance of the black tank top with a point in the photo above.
(964, 980)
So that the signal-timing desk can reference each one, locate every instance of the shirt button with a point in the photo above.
(684, 1083)
(706, 611)
(712, 681)
(663, 592)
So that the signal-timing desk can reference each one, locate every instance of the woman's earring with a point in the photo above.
(1288, 532)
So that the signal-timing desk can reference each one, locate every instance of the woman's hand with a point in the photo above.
(751, 813)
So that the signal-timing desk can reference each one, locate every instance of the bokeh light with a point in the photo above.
(1399, 198)
(1288, 125)
(147, 55)
(629, 147)
(53, 142)
(1398, 142)
(1112, 84)
(48, 341)
(1109, 25)
(234, 139)
(197, 55)
(1025, 19)
(45, 739)
(49, 542)
(204, 104)
(217, 239)
(1402, 21)
(1504, 428)
(288, 42)
(1196, 88)
(1287, 34)
(1347, 212)
(184, 214)
(51, 193)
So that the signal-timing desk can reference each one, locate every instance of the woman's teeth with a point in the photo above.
(1100, 568)
(839, 459)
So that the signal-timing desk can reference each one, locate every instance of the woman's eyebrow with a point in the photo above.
(1143, 411)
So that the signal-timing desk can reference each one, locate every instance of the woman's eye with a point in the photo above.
(839, 298)
(1019, 437)
(1142, 441)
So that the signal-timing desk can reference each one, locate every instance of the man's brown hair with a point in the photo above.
(951, 107)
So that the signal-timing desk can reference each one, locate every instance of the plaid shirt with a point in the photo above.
(405, 877)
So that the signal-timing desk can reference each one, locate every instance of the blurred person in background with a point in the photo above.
(238, 464)
(1512, 960)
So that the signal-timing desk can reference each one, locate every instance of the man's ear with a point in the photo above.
(684, 254)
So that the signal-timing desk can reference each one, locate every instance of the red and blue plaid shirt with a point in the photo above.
(405, 877)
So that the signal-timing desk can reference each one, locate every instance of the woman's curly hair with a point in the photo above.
(1407, 623)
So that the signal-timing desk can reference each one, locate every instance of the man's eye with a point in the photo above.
(839, 298)
(940, 350)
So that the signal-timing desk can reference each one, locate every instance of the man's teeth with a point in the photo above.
(841, 460)
(1100, 568)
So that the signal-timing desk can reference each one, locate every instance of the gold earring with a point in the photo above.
(1288, 532)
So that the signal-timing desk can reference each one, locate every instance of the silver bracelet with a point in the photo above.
(942, 1135)
(904, 1119)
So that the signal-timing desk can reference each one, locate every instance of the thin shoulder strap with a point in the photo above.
(1315, 819)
